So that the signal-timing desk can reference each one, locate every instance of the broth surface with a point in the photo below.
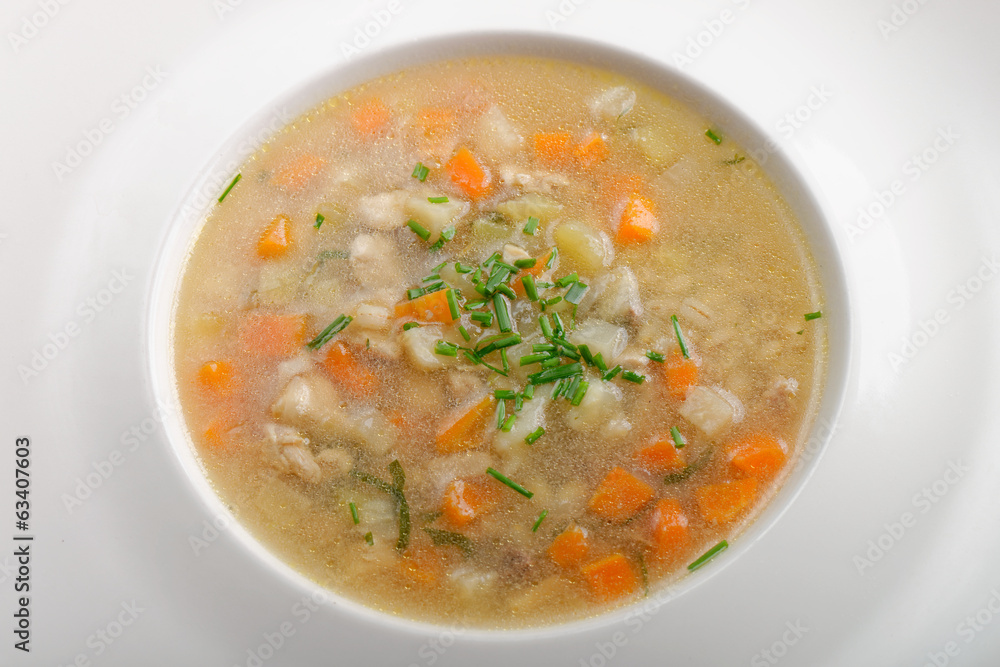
(378, 364)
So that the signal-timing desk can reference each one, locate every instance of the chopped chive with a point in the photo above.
(534, 435)
(565, 345)
(551, 302)
(690, 469)
(655, 356)
(528, 392)
(530, 289)
(510, 267)
(544, 284)
(505, 394)
(506, 290)
(445, 349)
(679, 441)
(232, 184)
(484, 319)
(525, 263)
(332, 330)
(419, 229)
(514, 485)
(472, 305)
(585, 353)
(354, 513)
(680, 337)
(477, 275)
(567, 280)
(508, 423)
(557, 373)
(420, 172)
(481, 289)
(501, 413)
(499, 342)
(544, 347)
(415, 292)
(431, 278)
(736, 159)
(529, 359)
(570, 389)
(543, 322)
(709, 555)
(610, 375)
(541, 518)
(438, 200)
(503, 359)
(369, 539)
(410, 325)
(599, 362)
(800, 331)
(580, 392)
(814, 316)
(437, 269)
(552, 258)
(435, 287)
(492, 258)
(530, 226)
(633, 377)
(559, 329)
(715, 137)
(518, 403)
(319, 220)
(462, 268)
(551, 362)
(575, 293)
(446, 538)
(447, 234)
(452, 304)
(465, 333)
(498, 275)
(502, 308)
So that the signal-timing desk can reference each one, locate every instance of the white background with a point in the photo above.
(889, 89)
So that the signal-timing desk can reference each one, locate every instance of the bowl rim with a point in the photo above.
(789, 176)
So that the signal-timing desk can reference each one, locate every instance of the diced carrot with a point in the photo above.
(758, 455)
(617, 186)
(620, 496)
(464, 500)
(466, 172)
(661, 456)
(723, 502)
(217, 434)
(347, 371)
(431, 307)
(216, 377)
(591, 151)
(370, 117)
(435, 121)
(670, 527)
(570, 547)
(611, 578)
(680, 374)
(464, 430)
(272, 334)
(552, 147)
(638, 221)
(537, 270)
(422, 565)
(296, 174)
(276, 239)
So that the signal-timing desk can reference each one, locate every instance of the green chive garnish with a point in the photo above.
(529, 359)
(610, 375)
(505, 394)
(814, 316)
(552, 258)
(531, 226)
(498, 275)
(231, 185)
(567, 280)
(560, 329)
(633, 377)
(530, 289)
(431, 278)
(528, 392)
(599, 362)
(498, 342)
(418, 229)
(483, 319)
(557, 373)
(504, 361)
(445, 349)
(679, 441)
(465, 333)
(551, 362)
(544, 347)
(680, 337)
(585, 353)
(452, 304)
(541, 518)
(711, 134)
(410, 325)
(502, 308)
(332, 330)
(655, 356)
(412, 294)
(438, 200)
(420, 172)
(501, 414)
(447, 234)
(525, 263)
(579, 393)
(534, 435)
(472, 305)
(508, 423)
(354, 513)
(709, 555)
(543, 322)
(369, 539)
(514, 485)
(319, 220)
(462, 268)
(575, 293)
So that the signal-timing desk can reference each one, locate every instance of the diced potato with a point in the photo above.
(529, 205)
(370, 316)
(373, 261)
(418, 343)
(613, 103)
(444, 469)
(616, 429)
(384, 210)
(706, 409)
(585, 247)
(602, 338)
(531, 416)
(277, 284)
(658, 145)
(491, 229)
(459, 281)
(496, 137)
(599, 405)
(616, 296)
(435, 217)
(334, 214)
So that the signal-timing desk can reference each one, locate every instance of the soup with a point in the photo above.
(501, 342)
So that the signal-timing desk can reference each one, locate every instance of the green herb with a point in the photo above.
(514, 485)
(559, 328)
(420, 172)
(709, 555)
(437, 269)
(369, 539)
(610, 375)
(543, 322)
(553, 255)
(599, 362)
(395, 490)
(431, 278)
(319, 220)
(431, 517)
(504, 394)
(551, 302)
(332, 254)
(445, 349)
(531, 226)
(472, 305)
(633, 377)
(435, 287)
(530, 289)
(736, 159)
(462, 268)
(534, 435)
(446, 538)
(452, 304)
(541, 518)
(544, 284)
(655, 356)
(503, 359)
(557, 373)
(508, 423)
(502, 308)
(354, 513)
(465, 333)
(484, 319)
(419, 229)
(231, 186)
(525, 263)
(567, 280)
(332, 330)
(498, 275)
(535, 358)
(447, 234)
(438, 200)
(501, 414)
(680, 337)
(711, 134)
(412, 294)
(518, 403)
(800, 331)
(813, 316)
(575, 293)
(580, 392)
(498, 342)
(410, 325)
(551, 362)
(679, 440)
(688, 470)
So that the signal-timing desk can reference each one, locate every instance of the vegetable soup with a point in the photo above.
(501, 342)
